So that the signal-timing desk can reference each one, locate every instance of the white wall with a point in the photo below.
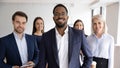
(32, 10)
(43, 10)
(117, 56)
(118, 38)
(112, 16)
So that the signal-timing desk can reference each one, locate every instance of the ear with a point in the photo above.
(67, 17)
(12, 22)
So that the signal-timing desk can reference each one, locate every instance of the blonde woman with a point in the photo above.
(101, 43)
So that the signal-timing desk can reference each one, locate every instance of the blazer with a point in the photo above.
(76, 42)
(9, 50)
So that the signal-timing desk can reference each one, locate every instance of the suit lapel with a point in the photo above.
(28, 40)
(54, 46)
(70, 43)
(15, 48)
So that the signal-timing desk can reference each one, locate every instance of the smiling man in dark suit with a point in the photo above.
(60, 47)
(18, 48)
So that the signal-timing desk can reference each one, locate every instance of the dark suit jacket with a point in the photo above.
(9, 49)
(76, 41)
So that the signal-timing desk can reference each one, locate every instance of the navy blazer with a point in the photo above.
(9, 49)
(76, 42)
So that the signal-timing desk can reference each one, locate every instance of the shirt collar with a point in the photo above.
(66, 31)
(100, 37)
(17, 37)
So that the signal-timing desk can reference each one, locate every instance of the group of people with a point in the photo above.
(101, 43)
(60, 47)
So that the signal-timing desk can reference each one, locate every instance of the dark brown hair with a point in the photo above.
(19, 13)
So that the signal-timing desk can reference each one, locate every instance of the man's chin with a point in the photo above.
(19, 32)
(60, 25)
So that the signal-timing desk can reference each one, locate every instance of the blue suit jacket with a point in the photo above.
(9, 49)
(76, 42)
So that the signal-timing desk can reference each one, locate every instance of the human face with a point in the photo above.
(19, 24)
(60, 17)
(39, 25)
(79, 25)
(98, 26)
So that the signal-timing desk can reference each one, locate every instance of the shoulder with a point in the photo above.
(28, 36)
(108, 36)
(6, 39)
(50, 32)
(90, 37)
(75, 31)
(7, 36)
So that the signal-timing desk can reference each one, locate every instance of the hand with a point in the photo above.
(29, 67)
(31, 64)
(15, 66)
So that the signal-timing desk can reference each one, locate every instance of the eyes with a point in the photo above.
(19, 22)
(78, 25)
(60, 14)
(39, 23)
(97, 23)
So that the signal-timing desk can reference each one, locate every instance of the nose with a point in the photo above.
(97, 25)
(21, 24)
(60, 15)
(79, 27)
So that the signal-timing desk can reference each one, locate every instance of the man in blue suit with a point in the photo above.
(60, 47)
(19, 49)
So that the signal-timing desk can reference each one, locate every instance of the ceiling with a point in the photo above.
(56, 1)
(46, 1)
(72, 2)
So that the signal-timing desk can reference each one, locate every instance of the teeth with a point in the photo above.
(60, 20)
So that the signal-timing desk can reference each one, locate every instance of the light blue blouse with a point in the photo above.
(102, 47)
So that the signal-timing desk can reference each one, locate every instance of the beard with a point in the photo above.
(60, 25)
(19, 30)
(60, 22)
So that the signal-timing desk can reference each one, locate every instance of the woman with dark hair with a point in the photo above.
(38, 30)
(38, 26)
(78, 24)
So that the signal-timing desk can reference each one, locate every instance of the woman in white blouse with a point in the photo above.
(101, 43)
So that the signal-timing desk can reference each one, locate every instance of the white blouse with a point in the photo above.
(102, 47)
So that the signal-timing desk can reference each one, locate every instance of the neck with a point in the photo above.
(61, 30)
(20, 35)
(98, 35)
(39, 33)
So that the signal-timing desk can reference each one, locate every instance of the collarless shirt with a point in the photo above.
(62, 46)
(22, 48)
(102, 47)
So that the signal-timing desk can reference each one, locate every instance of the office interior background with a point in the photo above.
(77, 9)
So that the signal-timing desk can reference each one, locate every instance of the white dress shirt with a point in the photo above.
(102, 47)
(62, 46)
(22, 48)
